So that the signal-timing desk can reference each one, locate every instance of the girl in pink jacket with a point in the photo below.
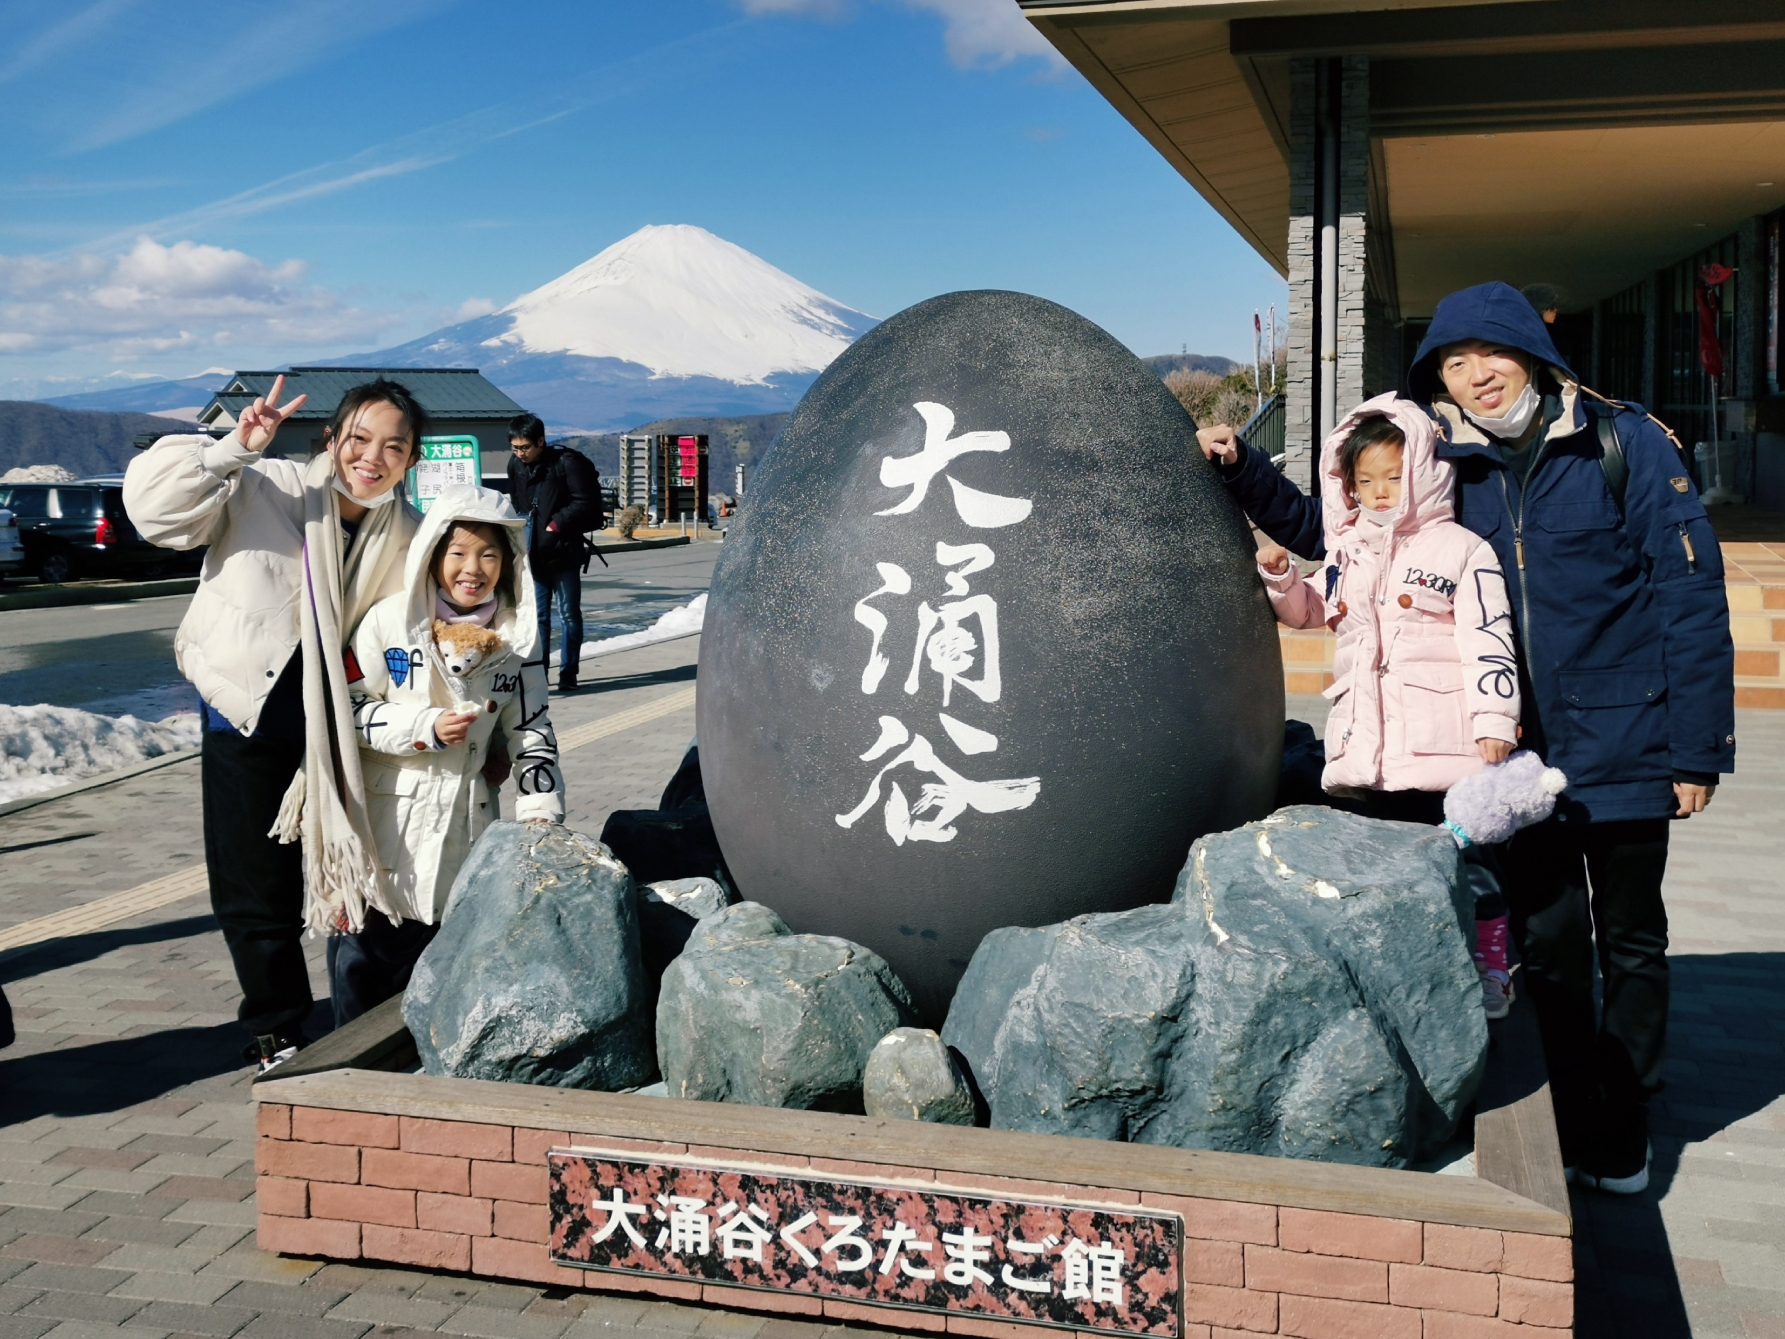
(1425, 677)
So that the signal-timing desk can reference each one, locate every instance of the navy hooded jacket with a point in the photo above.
(1623, 622)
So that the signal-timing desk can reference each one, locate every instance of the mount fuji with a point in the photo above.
(670, 321)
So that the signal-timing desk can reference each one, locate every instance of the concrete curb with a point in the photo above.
(95, 782)
(54, 597)
(628, 545)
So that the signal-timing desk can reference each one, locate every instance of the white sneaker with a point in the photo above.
(1634, 1184)
(1496, 994)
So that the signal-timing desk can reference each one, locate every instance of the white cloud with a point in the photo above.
(443, 141)
(117, 69)
(977, 34)
(826, 9)
(155, 299)
(984, 34)
(473, 307)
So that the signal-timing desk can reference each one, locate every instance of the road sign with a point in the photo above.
(445, 462)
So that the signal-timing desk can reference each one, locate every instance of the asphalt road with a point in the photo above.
(118, 659)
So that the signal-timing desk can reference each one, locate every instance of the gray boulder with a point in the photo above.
(753, 1013)
(535, 976)
(667, 913)
(1309, 992)
(911, 1076)
(695, 898)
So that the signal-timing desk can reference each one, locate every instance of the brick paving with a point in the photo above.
(126, 1158)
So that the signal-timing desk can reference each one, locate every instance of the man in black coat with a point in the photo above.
(559, 493)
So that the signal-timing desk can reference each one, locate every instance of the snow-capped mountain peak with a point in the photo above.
(669, 322)
(683, 303)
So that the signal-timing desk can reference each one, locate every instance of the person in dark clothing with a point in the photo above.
(1627, 670)
(559, 493)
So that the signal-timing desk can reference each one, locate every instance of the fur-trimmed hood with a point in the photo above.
(1427, 483)
(519, 624)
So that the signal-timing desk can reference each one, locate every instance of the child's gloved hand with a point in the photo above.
(1494, 750)
(1274, 558)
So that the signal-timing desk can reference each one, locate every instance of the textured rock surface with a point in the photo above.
(1050, 499)
(667, 913)
(911, 1076)
(1309, 992)
(535, 976)
(752, 1013)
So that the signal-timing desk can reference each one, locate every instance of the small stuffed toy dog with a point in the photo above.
(464, 646)
(1490, 805)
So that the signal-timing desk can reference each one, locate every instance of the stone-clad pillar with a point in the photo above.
(1331, 97)
(1301, 384)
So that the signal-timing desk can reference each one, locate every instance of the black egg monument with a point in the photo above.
(986, 647)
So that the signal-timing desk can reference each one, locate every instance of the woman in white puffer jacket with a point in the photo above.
(299, 551)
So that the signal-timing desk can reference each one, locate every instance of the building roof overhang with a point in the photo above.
(1667, 118)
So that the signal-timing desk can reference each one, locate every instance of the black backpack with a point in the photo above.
(1611, 447)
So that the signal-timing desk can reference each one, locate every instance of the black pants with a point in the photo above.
(257, 885)
(1575, 890)
(366, 969)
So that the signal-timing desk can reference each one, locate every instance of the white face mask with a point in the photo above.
(1515, 420)
(1376, 517)
(387, 495)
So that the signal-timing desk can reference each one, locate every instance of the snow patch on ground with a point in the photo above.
(45, 747)
(682, 621)
(37, 474)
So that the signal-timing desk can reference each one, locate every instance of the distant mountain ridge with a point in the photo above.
(32, 433)
(1167, 363)
(147, 397)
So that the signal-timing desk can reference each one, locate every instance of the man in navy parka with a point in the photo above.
(1627, 671)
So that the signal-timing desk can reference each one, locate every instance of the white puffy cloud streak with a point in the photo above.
(155, 299)
(977, 34)
(984, 34)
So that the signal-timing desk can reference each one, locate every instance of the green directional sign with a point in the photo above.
(446, 462)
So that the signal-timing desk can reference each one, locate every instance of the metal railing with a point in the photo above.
(1266, 430)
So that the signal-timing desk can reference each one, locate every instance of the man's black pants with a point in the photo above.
(366, 969)
(257, 885)
(1574, 889)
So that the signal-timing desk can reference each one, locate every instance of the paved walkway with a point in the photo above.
(126, 1158)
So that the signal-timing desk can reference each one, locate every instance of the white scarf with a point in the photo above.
(326, 804)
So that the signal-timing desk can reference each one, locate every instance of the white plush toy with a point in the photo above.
(1490, 805)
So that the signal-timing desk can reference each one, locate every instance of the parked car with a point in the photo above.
(73, 530)
(12, 553)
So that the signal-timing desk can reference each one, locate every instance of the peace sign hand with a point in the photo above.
(260, 421)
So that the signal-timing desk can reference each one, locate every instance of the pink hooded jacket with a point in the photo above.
(1425, 664)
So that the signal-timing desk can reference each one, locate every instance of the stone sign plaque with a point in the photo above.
(921, 1249)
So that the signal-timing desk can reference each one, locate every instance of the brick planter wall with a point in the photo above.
(470, 1196)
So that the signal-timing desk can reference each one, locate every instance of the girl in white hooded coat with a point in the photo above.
(423, 754)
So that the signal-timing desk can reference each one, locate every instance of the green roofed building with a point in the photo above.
(460, 403)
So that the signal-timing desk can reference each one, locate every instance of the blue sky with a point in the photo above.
(205, 183)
